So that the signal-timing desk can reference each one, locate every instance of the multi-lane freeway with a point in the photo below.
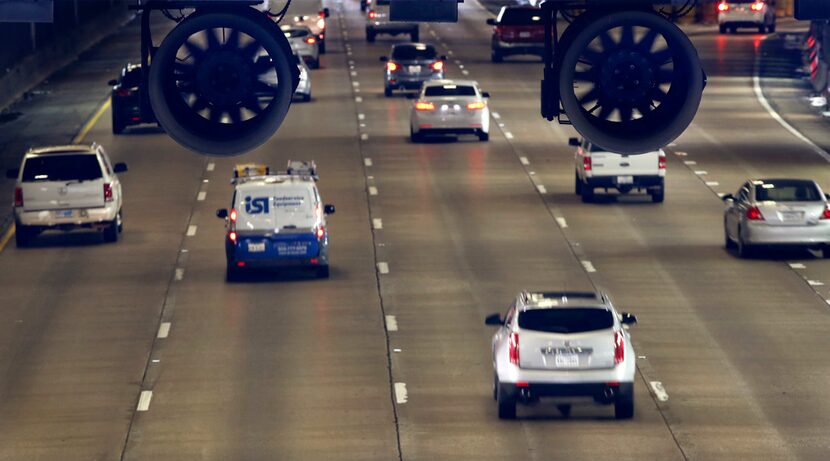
(141, 351)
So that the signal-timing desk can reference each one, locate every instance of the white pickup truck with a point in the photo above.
(597, 168)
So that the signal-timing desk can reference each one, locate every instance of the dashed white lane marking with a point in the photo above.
(797, 266)
(164, 330)
(201, 197)
(541, 189)
(524, 160)
(721, 194)
(353, 73)
(465, 72)
(673, 144)
(211, 166)
(588, 266)
(373, 190)
(496, 115)
(355, 83)
(400, 393)
(179, 274)
(358, 99)
(457, 62)
(383, 268)
(377, 223)
(144, 401)
(712, 183)
(689, 162)
(367, 161)
(361, 116)
(391, 323)
(449, 52)
(562, 223)
(364, 136)
(191, 230)
(508, 135)
(659, 391)
(432, 32)
(681, 154)
(828, 301)
(701, 172)
(461, 66)
(815, 283)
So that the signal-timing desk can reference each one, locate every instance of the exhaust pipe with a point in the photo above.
(525, 393)
(608, 393)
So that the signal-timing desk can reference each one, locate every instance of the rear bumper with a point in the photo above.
(537, 48)
(764, 234)
(741, 19)
(602, 392)
(279, 263)
(411, 83)
(391, 28)
(611, 181)
(85, 218)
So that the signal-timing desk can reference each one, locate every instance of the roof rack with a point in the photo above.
(257, 172)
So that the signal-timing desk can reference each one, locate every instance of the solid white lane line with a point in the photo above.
(144, 401)
(191, 230)
(373, 190)
(391, 323)
(367, 161)
(797, 266)
(659, 391)
(364, 136)
(400, 393)
(201, 197)
(524, 160)
(589, 267)
(377, 223)
(541, 189)
(562, 223)
(179, 275)
(211, 166)
(164, 330)
(383, 268)
(508, 135)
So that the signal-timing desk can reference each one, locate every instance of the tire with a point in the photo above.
(415, 36)
(825, 252)
(771, 28)
(323, 272)
(232, 273)
(727, 241)
(322, 47)
(733, 30)
(22, 236)
(387, 91)
(565, 409)
(118, 125)
(587, 193)
(415, 137)
(483, 136)
(506, 403)
(722, 29)
(659, 194)
(370, 36)
(110, 232)
(744, 250)
(306, 97)
(762, 29)
(315, 63)
(496, 57)
(495, 387)
(624, 405)
(577, 184)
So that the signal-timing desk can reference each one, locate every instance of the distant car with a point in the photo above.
(315, 21)
(563, 345)
(304, 43)
(126, 99)
(597, 168)
(777, 212)
(303, 90)
(276, 220)
(517, 30)
(409, 65)
(450, 107)
(65, 188)
(377, 22)
(746, 13)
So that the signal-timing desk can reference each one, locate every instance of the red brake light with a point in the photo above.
(437, 66)
(123, 92)
(824, 215)
(661, 162)
(586, 163)
(754, 214)
(233, 215)
(372, 14)
(514, 348)
(723, 7)
(619, 347)
(18, 196)
(232, 236)
(392, 66)
(310, 40)
(478, 105)
(757, 6)
(424, 105)
(499, 31)
(107, 192)
(321, 231)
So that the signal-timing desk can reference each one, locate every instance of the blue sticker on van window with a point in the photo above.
(256, 205)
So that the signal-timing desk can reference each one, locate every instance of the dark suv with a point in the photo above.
(126, 99)
(518, 30)
(410, 65)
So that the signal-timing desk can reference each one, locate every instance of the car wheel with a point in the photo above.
(483, 136)
(110, 233)
(771, 28)
(415, 137)
(577, 184)
(762, 29)
(415, 36)
(495, 56)
(659, 194)
(119, 219)
(387, 91)
(587, 193)
(232, 273)
(624, 405)
(117, 124)
(323, 272)
(322, 47)
(315, 63)
(565, 409)
(306, 97)
(496, 387)
(722, 29)
(744, 249)
(733, 30)
(370, 36)
(727, 241)
(506, 403)
(22, 236)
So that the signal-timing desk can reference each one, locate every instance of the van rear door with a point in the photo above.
(62, 182)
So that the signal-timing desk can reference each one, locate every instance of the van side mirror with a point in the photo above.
(628, 319)
(573, 142)
(491, 21)
(119, 167)
(383, 59)
(222, 213)
(112, 82)
(12, 173)
(329, 209)
(493, 320)
(727, 197)
(485, 94)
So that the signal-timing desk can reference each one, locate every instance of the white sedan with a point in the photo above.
(450, 107)
(304, 42)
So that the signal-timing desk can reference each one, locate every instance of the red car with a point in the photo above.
(518, 30)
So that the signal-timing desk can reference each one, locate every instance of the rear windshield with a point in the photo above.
(787, 191)
(413, 53)
(566, 320)
(294, 33)
(449, 90)
(81, 167)
(521, 17)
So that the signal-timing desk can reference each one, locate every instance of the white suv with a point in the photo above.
(563, 345)
(64, 188)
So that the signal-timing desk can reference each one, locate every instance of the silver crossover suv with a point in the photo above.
(409, 65)
(566, 346)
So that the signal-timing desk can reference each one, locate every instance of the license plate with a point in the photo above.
(524, 34)
(292, 249)
(414, 69)
(256, 247)
(625, 179)
(566, 360)
(64, 213)
(792, 215)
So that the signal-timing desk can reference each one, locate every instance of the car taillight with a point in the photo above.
(311, 40)
(824, 214)
(321, 231)
(499, 31)
(123, 92)
(586, 163)
(424, 105)
(372, 14)
(321, 23)
(232, 236)
(392, 66)
(757, 6)
(478, 105)
(233, 215)
(723, 7)
(107, 192)
(514, 348)
(18, 196)
(619, 347)
(661, 162)
(437, 66)
(754, 214)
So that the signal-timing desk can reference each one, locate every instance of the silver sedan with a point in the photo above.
(785, 212)
(450, 107)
